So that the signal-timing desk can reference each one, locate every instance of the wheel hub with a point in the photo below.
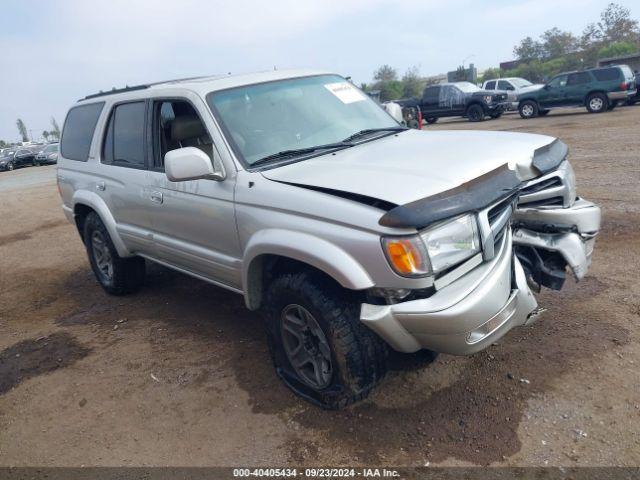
(306, 346)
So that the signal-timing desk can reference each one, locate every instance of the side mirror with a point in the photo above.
(547, 87)
(190, 163)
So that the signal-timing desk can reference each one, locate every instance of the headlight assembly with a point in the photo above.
(434, 249)
(488, 98)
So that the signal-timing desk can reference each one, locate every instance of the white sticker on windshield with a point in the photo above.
(345, 92)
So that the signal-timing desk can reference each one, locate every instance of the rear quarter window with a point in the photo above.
(607, 74)
(78, 129)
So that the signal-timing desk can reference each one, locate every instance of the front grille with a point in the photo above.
(499, 217)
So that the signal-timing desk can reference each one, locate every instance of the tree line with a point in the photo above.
(554, 51)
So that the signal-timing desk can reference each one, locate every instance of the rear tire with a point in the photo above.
(612, 105)
(116, 274)
(495, 116)
(475, 113)
(543, 113)
(10, 166)
(320, 348)
(597, 103)
(528, 109)
(431, 120)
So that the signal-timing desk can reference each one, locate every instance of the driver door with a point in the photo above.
(554, 92)
(193, 221)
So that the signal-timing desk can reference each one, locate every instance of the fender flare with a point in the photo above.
(93, 201)
(305, 248)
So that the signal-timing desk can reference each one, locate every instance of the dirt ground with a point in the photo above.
(179, 374)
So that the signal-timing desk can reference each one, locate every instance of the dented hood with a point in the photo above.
(415, 164)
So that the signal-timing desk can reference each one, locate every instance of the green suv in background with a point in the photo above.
(598, 89)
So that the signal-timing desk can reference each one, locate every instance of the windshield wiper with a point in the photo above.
(367, 131)
(300, 151)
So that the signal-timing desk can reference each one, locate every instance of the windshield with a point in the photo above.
(7, 153)
(268, 118)
(521, 82)
(467, 87)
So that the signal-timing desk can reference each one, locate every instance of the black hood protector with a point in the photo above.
(471, 196)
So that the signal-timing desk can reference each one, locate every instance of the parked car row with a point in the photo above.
(11, 158)
(597, 89)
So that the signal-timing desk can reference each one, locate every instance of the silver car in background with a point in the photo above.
(351, 233)
(513, 86)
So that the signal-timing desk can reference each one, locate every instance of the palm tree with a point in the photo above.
(55, 132)
(22, 130)
(45, 134)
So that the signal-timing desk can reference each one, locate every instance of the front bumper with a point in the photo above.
(463, 317)
(475, 310)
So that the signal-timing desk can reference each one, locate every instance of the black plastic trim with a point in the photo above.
(549, 157)
(471, 196)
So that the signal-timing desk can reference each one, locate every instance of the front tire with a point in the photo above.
(475, 113)
(116, 274)
(495, 116)
(319, 347)
(543, 113)
(597, 103)
(528, 109)
(431, 120)
(10, 166)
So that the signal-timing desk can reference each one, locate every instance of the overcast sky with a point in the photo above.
(54, 52)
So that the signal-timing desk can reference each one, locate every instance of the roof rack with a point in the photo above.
(127, 88)
(113, 91)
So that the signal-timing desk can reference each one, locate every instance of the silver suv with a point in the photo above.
(351, 233)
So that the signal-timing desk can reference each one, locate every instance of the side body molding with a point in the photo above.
(92, 200)
(317, 252)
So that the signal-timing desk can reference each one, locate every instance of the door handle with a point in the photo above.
(100, 186)
(156, 197)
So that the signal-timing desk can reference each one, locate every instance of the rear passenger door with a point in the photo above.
(577, 88)
(193, 221)
(122, 174)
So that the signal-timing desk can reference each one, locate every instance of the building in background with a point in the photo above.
(463, 74)
(633, 60)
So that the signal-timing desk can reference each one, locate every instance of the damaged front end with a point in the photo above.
(554, 229)
(530, 231)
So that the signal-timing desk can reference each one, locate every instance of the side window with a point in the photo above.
(578, 78)
(78, 129)
(606, 74)
(124, 139)
(504, 85)
(431, 92)
(491, 85)
(176, 124)
(559, 81)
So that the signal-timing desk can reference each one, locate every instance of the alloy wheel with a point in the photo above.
(306, 346)
(527, 110)
(596, 103)
(102, 255)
